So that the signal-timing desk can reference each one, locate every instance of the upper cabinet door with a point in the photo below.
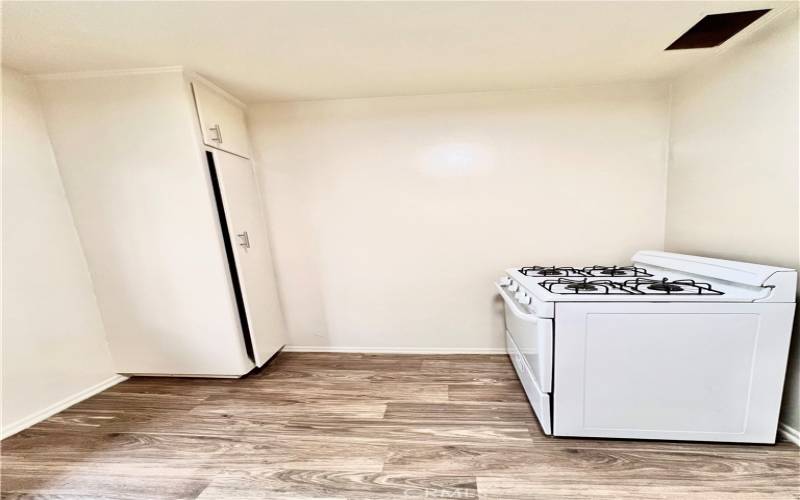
(222, 121)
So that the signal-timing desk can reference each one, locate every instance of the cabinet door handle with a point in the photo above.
(218, 137)
(245, 239)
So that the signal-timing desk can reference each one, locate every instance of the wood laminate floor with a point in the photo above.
(357, 426)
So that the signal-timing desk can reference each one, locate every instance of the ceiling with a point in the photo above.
(278, 51)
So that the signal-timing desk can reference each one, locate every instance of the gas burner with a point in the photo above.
(615, 271)
(665, 286)
(584, 286)
(550, 271)
(581, 286)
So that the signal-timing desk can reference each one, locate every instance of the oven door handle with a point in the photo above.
(510, 302)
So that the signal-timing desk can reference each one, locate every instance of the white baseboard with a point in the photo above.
(397, 350)
(789, 433)
(65, 403)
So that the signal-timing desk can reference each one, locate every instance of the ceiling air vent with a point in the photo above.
(715, 29)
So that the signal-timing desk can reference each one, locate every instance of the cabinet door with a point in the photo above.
(251, 253)
(670, 370)
(222, 121)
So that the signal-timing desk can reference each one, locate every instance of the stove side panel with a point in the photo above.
(707, 371)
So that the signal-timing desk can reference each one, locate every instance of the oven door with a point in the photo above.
(540, 401)
(533, 336)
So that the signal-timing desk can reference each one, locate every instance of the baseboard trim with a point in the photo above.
(789, 433)
(397, 350)
(65, 403)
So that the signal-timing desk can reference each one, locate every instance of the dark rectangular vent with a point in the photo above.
(715, 29)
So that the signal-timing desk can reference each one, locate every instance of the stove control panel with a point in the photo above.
(520, 295)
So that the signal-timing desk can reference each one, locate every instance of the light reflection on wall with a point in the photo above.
(457, 159)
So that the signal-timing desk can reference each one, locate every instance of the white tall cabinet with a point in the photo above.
(158, 204)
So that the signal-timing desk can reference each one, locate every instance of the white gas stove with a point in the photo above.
(671, 347)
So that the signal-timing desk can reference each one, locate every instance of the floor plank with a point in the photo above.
(498, 392)
(599, 465)
(291, 484)
(311, 391)
(347, 426)
(465, 413)
(355, 431)
(78, 482)
(527, 488)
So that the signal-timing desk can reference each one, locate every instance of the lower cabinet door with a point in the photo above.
(670, 370)
(247, 232)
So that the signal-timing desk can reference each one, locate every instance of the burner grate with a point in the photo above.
(550, 271)
(636, 286)
(584, 286)
(588, 272)
(670, 287)
(615, 271)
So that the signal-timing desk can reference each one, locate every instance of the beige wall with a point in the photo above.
(53, 341)
(390, 217)
(733, 176)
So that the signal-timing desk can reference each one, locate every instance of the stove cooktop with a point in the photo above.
(650, 276)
